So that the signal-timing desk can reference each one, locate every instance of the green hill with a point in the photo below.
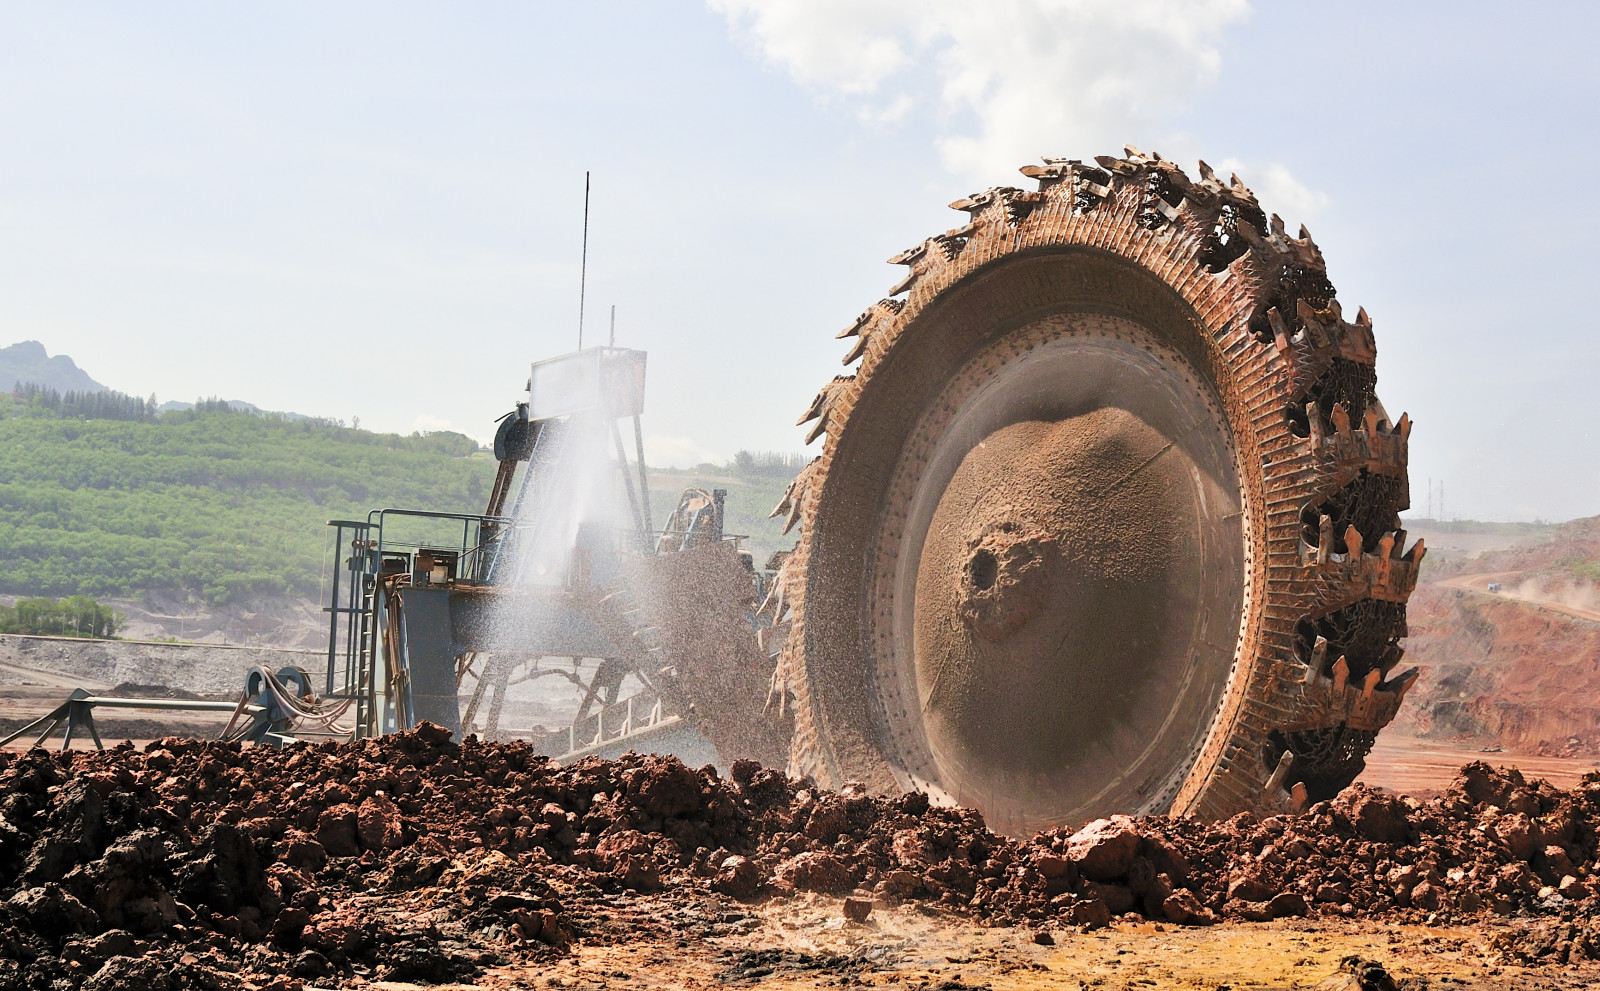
(100, 496)
(221, 504)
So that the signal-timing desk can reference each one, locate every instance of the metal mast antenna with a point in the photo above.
(613, 325)
(583, 270)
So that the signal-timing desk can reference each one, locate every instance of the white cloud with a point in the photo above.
(1006, 80)
(843, 46)
(889, 113)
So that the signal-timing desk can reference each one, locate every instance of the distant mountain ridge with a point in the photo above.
(237, 405)
(28, 361)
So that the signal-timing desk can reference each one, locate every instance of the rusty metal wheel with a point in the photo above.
(1106, 518)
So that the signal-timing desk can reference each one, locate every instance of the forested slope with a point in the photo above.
(224, 505)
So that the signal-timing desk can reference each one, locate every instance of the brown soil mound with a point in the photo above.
(412, 858)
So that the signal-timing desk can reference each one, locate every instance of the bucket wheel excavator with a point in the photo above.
(1105, 518)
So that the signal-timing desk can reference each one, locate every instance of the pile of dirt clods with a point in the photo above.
(413, 858)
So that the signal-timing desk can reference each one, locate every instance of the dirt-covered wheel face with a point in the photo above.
(1067, 582)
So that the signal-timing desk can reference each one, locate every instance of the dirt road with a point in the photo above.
(1509, 589)
(33, 676)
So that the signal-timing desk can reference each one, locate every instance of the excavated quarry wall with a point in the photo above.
(414, 858)
(1499, 672)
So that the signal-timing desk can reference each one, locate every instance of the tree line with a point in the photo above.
(105, 405)
(73, 616)
(772, 464)
(109, 404)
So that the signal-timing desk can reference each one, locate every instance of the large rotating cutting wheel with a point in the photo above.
(1106, 518)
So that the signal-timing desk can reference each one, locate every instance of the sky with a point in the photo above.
(375, 210)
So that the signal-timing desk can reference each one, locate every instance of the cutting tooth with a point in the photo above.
(1341, 418)
(859, 325)
(1318, 425)
(1307, 314)
(824, 399)
(794, 497)
(911, 254)
(777, 693)
(1280, 330)
(1054, 172)
(1276, 222)
(1341, 674)
(1385, 551)
(817, 428)
(1280, 774)
(1403, 428)
(1298, 797)
(978, 202)
(774, 597)
(1352, 544)
(1205, 171)
(882, 309)
(1362, 320)
(1370, 684)
(793, 516)
(1319, 654)
(857, 349)
(1324, 538)
(1404, 682)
